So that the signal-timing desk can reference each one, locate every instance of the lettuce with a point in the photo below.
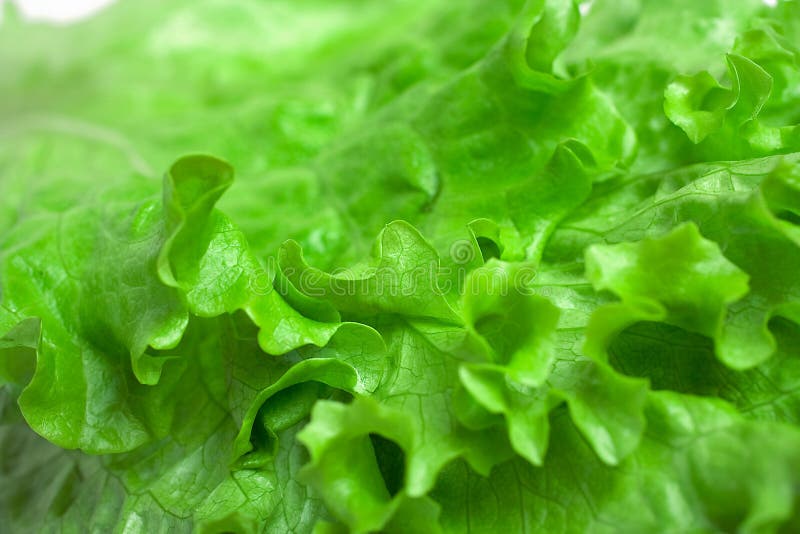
(491, 267)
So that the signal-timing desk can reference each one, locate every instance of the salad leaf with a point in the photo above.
(525, 266)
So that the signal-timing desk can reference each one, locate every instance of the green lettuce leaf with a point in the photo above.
(508, 266)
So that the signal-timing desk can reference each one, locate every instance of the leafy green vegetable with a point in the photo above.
(512, 266)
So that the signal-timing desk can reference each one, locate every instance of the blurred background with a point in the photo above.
(58, 11)
(108, 98)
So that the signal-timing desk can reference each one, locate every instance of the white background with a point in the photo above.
(60, 11)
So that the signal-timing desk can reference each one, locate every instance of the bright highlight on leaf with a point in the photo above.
(341, 266)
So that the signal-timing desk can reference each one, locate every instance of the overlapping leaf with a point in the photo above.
(580, 312)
